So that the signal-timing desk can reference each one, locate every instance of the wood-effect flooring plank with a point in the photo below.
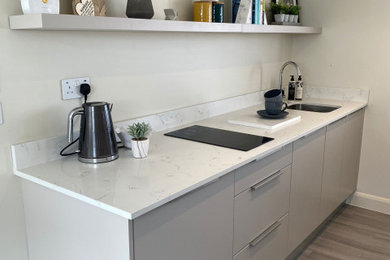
(354, 233)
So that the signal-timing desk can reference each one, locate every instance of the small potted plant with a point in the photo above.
(276, 10)
(140, 141)
(285, 9)
(295, 12)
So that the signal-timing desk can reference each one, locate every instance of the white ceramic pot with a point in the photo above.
(279, 18)
(140, 148)
(40, 6)
(286, 18)
(296, 17)
(291, 18)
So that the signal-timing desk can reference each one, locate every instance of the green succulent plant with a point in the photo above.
(139, 131)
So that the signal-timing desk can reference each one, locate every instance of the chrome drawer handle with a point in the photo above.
(265, 234)
(266, 180)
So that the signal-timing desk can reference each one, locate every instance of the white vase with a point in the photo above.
(140, 148)
(286, 18)
(279, 18)
(291, 18)
(40, 6)
(296, 17)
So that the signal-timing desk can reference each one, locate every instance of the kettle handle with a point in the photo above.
(75, 112)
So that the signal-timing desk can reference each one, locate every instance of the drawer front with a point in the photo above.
(254, 172)
(272, 245)
(256, 209)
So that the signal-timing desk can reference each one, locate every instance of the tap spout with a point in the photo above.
(282, 70)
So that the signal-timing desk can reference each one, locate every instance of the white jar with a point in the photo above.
(140, 148)
(40, 6)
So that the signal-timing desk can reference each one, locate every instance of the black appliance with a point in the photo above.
(219, 137)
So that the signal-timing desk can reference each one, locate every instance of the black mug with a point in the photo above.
(274, 104)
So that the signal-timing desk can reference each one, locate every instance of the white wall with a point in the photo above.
(353, 51)
(141, 73)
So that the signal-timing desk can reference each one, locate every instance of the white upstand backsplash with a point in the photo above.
(46, 150)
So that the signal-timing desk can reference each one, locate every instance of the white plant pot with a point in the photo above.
(40, 6)
(291, 18)
(296, 17)
(286, 18)
(140, 148)
(279, 18)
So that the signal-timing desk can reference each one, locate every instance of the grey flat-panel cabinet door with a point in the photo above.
(197, 226)
(331, 196)
(306, 182)
(352, 148)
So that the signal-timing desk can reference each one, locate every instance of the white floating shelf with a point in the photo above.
(52, 22)
(251, 28)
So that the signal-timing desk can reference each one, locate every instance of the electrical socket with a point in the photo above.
(71, 87)
(1, 115)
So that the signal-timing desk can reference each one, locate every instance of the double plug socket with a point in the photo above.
(71, 87)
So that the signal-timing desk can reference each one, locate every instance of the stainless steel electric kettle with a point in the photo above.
(97, 142)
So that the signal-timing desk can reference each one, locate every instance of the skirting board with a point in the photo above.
(371, 202)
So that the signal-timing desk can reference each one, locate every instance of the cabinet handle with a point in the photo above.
(266, 180)
(265, 234)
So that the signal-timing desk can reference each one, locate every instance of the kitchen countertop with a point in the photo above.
(132, 187)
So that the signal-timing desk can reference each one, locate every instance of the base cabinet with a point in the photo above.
(306, 182)
(341, 161)
(264, 210)
(197, 226)
(331, 196)
(351, 154)
(272, 246)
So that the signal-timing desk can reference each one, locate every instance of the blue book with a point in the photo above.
(256, 12)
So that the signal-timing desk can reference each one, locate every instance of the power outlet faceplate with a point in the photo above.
(71, 87)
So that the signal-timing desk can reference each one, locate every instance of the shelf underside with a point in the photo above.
(51, 22)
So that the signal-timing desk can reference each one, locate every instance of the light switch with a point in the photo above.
(1, 115)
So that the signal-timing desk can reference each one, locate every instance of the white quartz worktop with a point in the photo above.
(131, 187)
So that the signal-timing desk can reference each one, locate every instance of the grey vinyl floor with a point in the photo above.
(354, 233)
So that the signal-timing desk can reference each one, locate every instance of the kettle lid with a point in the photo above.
(95, 104)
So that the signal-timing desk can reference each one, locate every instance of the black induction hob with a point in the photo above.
(219, 137)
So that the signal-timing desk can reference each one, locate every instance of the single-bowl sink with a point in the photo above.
(314, 108)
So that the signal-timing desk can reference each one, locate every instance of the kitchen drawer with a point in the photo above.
(258, 207)
(270, 245)
(254, 172)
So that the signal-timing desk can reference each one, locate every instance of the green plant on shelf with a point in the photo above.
(140, 131)
(276, 8)
(295, 9)
(285, 9)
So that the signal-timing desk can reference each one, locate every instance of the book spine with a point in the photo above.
(259, 6)
(254, 11)
(263, 14)
(235, 7)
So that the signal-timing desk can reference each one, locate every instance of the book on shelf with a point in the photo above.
(244, 13)
(258, 12)
(249, 12)
(235, 7)
(255, 12)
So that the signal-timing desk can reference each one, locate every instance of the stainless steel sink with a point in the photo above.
(314, 108)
